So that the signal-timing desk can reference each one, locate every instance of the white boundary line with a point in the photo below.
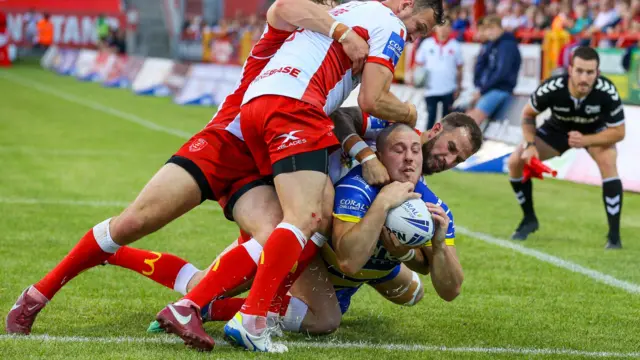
(544, 257)
(20, 80)
(553, 260)
(163, 339)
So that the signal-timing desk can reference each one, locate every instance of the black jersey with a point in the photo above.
(602, 107)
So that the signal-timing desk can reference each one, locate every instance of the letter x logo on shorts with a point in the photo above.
(289, 136)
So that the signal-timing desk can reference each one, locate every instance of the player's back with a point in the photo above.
(313, 68)
(266, 47)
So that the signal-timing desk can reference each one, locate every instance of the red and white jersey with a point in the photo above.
(270, 41)
(313, 68)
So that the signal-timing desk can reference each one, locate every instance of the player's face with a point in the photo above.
(402, 156)
(583, 75)
(420, 24)
(445, 150)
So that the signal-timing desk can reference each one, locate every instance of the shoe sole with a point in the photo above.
(190, 339)
(525, 238)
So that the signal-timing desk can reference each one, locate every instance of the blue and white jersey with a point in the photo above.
(340, 163)
(353, 197)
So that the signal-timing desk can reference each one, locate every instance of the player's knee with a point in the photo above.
(127, 227)
(308, 221)
(325, 325)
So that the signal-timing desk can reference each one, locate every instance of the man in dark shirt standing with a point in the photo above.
(586, 112)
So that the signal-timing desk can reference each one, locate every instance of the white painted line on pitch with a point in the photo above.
(93, 105)
(89, 203)
(163, 339)
(553, 260)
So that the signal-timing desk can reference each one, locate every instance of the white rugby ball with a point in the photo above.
(411, 222)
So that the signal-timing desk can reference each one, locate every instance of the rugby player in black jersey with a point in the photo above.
(586, 112)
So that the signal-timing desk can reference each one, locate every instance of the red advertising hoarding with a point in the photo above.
(74, 21)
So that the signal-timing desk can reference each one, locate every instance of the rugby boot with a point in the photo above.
(613, 242)
(185, 322)
(236, 335)
(23, 313)
(527, 226)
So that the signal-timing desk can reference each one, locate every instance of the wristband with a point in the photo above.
(344, 36)
(408, 256)
(344, 142)
(357, 147)
(339, 31)
(370, 157)
(333, 28)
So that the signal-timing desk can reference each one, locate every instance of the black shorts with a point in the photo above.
(558, 138)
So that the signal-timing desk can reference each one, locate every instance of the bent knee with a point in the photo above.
(324, 325)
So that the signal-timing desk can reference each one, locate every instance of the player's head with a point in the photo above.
(418, 16)
(400, 151)
(444, 31)
(450, 142)
(583, 70)
(492, 27)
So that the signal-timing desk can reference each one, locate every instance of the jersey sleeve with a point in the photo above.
(614, 108)
(372, 126)
(352, 199)
(541, 98)
(387, 37)
(430, 197)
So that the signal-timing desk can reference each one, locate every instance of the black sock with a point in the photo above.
(524, 196)
(612, 196)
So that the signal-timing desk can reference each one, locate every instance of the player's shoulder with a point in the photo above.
(354, 183)
(552, 84)
(604, 86)
(429, 196)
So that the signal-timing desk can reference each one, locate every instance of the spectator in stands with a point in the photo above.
(498, 71)
(103, 30)
(582, 20)
(607, 15)
(116, 42)
(45, 32)
(530, 14)
(516, 19)
(440, 56)
(461, 22)
(542, 21)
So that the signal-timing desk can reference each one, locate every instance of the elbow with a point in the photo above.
(348, 267)
(280, 7)
(366, 102)
(450, 294)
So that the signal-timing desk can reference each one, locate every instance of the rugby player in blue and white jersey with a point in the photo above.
(362, 251)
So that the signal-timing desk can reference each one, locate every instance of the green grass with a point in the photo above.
(53, 149)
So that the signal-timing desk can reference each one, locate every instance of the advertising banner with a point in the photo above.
(151, 76)
(85, 64)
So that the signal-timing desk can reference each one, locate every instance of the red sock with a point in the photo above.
(282, 250)
(86, 254)
(225, 309)
(230, 271)
(281, 299)
(162, 268)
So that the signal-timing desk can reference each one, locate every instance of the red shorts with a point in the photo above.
(220, 162)
(276, 127)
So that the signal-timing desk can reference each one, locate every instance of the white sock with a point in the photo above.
(103, 237)
(295, 315)
(184, 276)
(254, 249)
(254, 324)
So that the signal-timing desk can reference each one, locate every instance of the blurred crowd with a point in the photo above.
(234, 30)
(617, 23)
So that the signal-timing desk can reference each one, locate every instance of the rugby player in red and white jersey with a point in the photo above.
(200, 170)
(284, 120)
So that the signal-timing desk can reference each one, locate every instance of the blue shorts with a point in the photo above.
(491, 102)
(344, 294)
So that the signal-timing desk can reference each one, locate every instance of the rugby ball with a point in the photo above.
(411, 222)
